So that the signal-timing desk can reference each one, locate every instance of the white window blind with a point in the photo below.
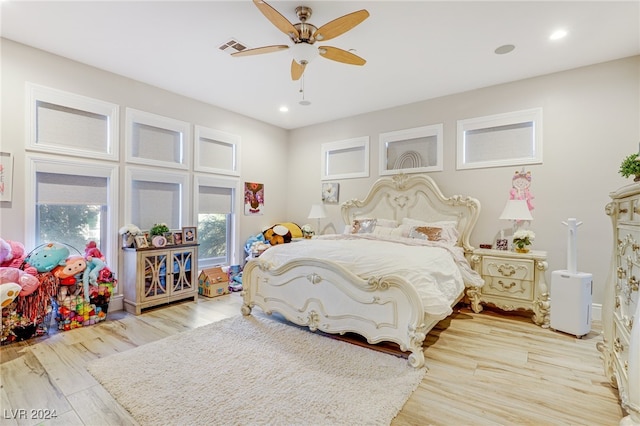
(156, 143)
(67, 189)
(71, 127)
(214, 200)
(156, 202)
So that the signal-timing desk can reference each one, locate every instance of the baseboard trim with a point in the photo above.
(116, 303)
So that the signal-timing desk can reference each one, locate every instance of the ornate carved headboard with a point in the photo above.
(418, 197)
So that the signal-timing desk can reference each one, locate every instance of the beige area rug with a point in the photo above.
(256, 371)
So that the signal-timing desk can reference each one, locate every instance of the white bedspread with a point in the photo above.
(437, 271)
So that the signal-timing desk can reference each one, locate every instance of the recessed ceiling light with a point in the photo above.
(558, 34)
(504, 49)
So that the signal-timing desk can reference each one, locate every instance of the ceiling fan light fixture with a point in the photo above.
(303, 53)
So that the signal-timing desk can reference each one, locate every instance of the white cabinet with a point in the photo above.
(512, 281)
(620, 310)
(155, 276)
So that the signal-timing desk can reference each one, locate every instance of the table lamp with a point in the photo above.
(517, 211)
(317, 212)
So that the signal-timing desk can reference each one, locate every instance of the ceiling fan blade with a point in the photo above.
(339, 55)
(277, 19)
(261, 50)
(340, 25)
(297, 70)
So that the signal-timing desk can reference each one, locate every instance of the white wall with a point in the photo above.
(21, 64)
(591, 120)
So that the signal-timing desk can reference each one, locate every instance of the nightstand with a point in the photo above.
(513, 281)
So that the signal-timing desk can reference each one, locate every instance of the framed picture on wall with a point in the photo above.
(330, 192)
(189, 235)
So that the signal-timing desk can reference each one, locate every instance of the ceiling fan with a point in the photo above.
(304, 35)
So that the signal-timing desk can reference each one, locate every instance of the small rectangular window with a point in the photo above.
(509, 139)
(155, 140)
(70, 124)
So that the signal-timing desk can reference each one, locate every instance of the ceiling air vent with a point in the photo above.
(232, 46)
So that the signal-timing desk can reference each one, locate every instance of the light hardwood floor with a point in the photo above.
(484, 369)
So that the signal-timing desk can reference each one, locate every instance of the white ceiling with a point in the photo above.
(415, 50)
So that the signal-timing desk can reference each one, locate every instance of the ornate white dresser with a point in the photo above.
(620, 311)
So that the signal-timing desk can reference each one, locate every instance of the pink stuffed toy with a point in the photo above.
(15, 256)
(28, 283)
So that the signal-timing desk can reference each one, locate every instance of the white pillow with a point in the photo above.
(388, 231)
(363, 226)
(387, 223)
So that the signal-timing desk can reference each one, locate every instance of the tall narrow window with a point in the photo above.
(72, 203)
(215, 214)
(156, 196)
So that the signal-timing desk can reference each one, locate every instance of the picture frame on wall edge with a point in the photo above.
(189, 235)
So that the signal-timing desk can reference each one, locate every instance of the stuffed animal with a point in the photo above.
(47, 256)
(95, 263)
(74, 265)
(277, 234)
(5, 252)
(28, 283)
(8, 293)
(12, 255)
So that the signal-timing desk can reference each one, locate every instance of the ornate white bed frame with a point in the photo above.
(325, 296)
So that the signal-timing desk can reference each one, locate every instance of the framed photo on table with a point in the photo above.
(141, 241)
(177, 237)
(189, 235)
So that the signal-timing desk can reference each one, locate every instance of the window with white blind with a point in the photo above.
(216, 152)
(72, 203)
(215, 207)
(156, 196)
(70, 124)
(156, 140)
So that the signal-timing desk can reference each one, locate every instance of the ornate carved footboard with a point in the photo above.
(327, 297)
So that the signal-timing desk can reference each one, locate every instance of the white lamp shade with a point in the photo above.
(317, 212)
(516, 210)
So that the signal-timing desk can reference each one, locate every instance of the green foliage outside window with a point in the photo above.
(212, 236)
(69, 224)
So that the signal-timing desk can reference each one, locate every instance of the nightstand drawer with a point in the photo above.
(512, 269)
(508, 287)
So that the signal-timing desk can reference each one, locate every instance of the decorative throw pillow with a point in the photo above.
(363, 226)
(426, 233)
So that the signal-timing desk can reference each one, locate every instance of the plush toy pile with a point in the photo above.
(50, 281)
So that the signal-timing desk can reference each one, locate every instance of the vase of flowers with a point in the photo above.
(129, 233)
(522, 239)
(307, 231)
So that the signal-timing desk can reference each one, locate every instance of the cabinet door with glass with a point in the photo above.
(155, 276)
(183, 275)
